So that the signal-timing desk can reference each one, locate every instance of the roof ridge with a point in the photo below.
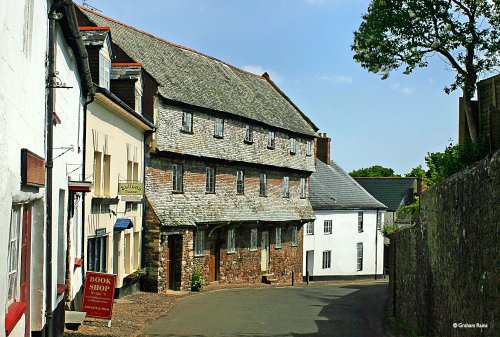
(166, 41)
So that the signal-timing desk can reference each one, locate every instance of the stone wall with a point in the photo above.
(444, 271)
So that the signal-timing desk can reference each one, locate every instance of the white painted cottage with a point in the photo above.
(345, 240)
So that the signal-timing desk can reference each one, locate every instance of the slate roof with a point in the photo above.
(334, 189)
(187, 76)
(391, 191)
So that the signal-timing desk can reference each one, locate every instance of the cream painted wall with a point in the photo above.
(343, 243)
(101, 119)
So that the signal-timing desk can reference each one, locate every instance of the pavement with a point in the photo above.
(319, 309)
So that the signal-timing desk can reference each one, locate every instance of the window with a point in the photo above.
(286, 189)
(199, 242)
(278, 237)
(310, 228)
(13, 255)
(107, 174)
(219, 128)
(240, 182)
(187, 121)
(177, 177)
(130, 206)
(360, 222)
(231, 241)
(97, 172)
(309, 147)
(137, 250)
(138, 100)
(379, 220)
(360, 256)
(128, 253)
(132, 164)
(253, 239)
(96, 254)
(302, 191)
(327, 227)
(210, 180)
(249, 133)
(327, 259)
(271, 139)
(104, 70)
(99, 208)
(293, 145)
(294, 236)
(262, 185)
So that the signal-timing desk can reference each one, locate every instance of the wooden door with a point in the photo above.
(214, 261)
(167, 265)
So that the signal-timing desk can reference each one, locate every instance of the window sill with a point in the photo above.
(253, 249)
(209, 192)
(219, 137)
(270, 147)
(327, 233)
(263, 196)
(278, 247)
(249, 142)
(186, 131)
(293, 153)
(177, 192)
(286, 197)
(199, 255)
(232, 252)
(14, 313)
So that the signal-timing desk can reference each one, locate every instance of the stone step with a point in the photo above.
(73, 319)
(268, 278)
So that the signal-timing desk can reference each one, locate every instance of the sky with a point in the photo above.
(304, 45)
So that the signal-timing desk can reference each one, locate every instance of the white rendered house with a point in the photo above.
(345, 240)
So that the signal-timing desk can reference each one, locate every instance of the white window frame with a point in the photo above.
(293, 145)
(240, 182)
(360, 222)
(14, 255)
(210, 179)
(271, 140)
(263, 185)
(101, 249)
(309, 147)
(219, 127)
(359, 259)
(248, 133)
(231, 240)
(177, 178)
(187, 122)
(327, 227)
(253, 239)
(302, 188)
(327, 259)
(199, 242)
(295, 237)
(286, 187)
(104, 71)
(310, 228)
(278, 238)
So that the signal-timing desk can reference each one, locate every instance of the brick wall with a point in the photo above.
(445, 270)
(232, 147)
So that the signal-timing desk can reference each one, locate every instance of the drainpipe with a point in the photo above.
(49, 118)
(376, 242)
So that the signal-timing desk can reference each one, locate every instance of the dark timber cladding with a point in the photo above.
(227, 172)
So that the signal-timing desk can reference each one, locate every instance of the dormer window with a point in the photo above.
(104, 70)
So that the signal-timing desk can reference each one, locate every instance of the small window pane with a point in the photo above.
(231, 242)
(263, 185)
(293, 146)
(240, 182)
(327, 229)
(303, 188)
(199, 242)
(360, 222)
(310, 228)
(249, 133)
(253, 239)
(278, 237)
(360, 256)
(327, 258)
(271, 139)
(219, 127)
(210, 180)
(177, 177)
(309, 148)
(286, 189)
(294, 236)
(187, 121)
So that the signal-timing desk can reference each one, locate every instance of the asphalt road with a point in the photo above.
(348, 310)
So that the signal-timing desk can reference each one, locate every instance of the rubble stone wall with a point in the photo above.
(444, 271)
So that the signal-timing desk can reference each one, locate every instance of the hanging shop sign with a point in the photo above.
(130, 188)
(98, 295)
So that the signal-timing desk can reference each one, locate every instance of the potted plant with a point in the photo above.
(197, 281)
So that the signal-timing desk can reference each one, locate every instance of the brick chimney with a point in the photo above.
(323, 148)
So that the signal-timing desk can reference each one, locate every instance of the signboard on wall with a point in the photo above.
(32, 169)
(130, 188)
(98, 295)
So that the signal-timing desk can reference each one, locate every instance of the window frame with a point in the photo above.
(14, 255)
(187, 122)
(231, 240)
(295, 236)
(93, 250)
(263, 185)
(240, 183)
(248, 134)
(278, 239)
(177, 178)
(271, 140)
(309, 148)
(327, 227)
(360, 222)
(199, 243)
(104, 71)
(310, 228)
(286, 187)
(293, 145)
(253, 239)
(210, 180)
(359, 256)
(302, 188)
(218, 127)
(327, 259)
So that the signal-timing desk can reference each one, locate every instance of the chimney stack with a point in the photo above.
(323, 148)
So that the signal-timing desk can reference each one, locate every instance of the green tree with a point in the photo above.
(418, 172)
(407, 33)
(374, 171)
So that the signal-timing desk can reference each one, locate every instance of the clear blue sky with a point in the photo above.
(305, 47)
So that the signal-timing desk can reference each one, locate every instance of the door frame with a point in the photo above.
(264, 251)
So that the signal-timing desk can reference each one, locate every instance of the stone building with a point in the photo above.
(227, 171)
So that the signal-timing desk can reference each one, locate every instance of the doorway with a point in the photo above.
(310, 263)
(214, 261)
(264, 252)
(173, 262)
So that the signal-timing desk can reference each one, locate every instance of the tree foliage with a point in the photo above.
(396, 33)
(418, 172)
(374, 171)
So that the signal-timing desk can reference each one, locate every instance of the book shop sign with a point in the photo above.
(130, 188)
(98, 295)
